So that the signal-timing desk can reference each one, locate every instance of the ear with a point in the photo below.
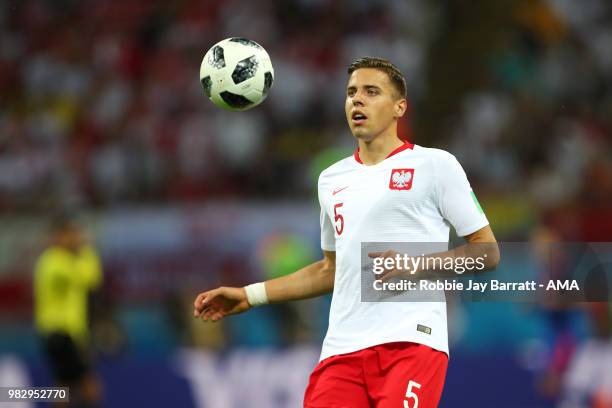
(401, 105)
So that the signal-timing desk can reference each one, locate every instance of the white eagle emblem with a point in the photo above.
(401, 179)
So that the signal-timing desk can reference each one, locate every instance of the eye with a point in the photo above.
(350, 92)
(372, 92)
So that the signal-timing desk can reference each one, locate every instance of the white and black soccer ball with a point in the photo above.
(236, 74)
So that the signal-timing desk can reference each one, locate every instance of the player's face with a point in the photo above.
(372, 103)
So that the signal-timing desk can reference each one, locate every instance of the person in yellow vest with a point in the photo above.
(65, 274)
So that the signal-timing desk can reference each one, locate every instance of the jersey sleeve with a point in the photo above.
(455, 199)
(328, 239)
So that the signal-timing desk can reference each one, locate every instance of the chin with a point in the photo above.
(361, 134)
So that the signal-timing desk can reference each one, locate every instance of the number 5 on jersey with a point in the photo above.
(338, 218)
(410, 394)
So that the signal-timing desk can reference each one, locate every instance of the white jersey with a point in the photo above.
(414, 195)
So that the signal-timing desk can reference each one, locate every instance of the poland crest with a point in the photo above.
(401, 179)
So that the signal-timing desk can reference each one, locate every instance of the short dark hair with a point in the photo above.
(394, 74)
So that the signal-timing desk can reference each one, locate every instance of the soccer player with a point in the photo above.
(65, 274)
(376, 354)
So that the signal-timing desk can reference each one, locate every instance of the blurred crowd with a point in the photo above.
(101, 103)
(532, 119)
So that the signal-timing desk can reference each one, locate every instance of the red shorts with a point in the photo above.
(397, 375)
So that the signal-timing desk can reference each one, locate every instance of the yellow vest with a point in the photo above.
(62, 281)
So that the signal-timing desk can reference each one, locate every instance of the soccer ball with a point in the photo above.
(236, 74)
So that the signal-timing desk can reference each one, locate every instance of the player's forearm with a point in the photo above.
(484, 255)
(313, 280)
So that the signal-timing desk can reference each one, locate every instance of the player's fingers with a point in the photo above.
(207, 315)
(208, 299)
(198, 300)
(202, 312)
(389, 275)
(205, 301)
(197, 304)
(203, 298)
(378, 276)
(384, 254)
(210, 308)
(197, 311)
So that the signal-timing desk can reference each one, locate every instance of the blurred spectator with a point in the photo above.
(65, 274)
(588, 382)
(556, 310)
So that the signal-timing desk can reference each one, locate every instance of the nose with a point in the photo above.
(357, 99)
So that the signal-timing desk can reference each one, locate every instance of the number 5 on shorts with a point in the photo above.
(411, 395)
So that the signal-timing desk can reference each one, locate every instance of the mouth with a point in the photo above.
(358, 118)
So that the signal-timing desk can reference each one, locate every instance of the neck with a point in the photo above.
(376, 150)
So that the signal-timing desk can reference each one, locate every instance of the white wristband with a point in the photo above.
(256, 294)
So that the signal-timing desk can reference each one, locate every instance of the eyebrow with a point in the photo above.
(352, 88)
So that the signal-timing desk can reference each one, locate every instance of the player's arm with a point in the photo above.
(312, 280)
(90, 267)
(480, 245)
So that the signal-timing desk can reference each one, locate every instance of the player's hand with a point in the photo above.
(389, 273)
(217, 303)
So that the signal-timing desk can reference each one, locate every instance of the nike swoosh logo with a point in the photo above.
(337, 190)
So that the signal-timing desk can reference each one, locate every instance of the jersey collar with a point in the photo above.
(406, 145)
